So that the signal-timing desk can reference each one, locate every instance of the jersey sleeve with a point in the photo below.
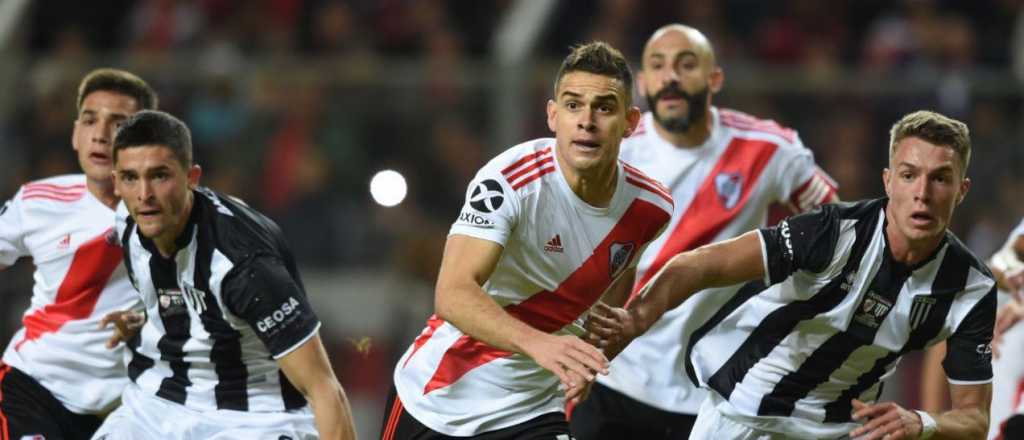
(12, 231)
(262, 292)
(802, 242)
(802, 184)
(491, 209)
(969, 350)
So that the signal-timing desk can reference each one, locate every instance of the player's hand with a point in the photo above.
(570, 358)
(579, 393)
(126, 324)
(1009, 315)
(611, 329)
(885, 420)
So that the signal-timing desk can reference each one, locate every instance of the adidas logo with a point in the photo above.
(554, 244)
(65, 242)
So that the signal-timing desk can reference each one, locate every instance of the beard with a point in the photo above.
(696, 105)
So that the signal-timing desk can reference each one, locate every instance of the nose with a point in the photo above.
(921, 189)
(586, 120)
(105, 133)
(145, 190)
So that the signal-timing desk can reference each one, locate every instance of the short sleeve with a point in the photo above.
(802, 242)
(802, 184)
(262, 292)
(12, 231)
(969, 350)
(490, 210)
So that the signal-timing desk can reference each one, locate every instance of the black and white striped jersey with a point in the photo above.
(220, 312)
(837, 318)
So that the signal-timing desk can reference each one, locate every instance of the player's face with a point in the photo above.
(156, 188)
(677, 79)
(589, 117)
(102, 113)
(925, 183)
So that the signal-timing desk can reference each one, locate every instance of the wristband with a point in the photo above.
(928, 425)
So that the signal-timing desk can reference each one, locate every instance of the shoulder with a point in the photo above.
(965, 256)
(648, 188)
(748, 126)
(237, 230)
(59, 189)
(523, 165)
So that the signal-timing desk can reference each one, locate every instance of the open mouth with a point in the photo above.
(147, 213)
(587, 144)
(99, 157)
(921, 218)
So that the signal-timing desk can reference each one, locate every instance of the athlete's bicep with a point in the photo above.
(802, 242)
(12, 244)
(263, 293)
(467, 260)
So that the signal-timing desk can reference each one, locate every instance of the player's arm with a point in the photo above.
(308, 368)
(967, 420)
(934, 395)
(265, 294)
(460, 299)
(12, 245)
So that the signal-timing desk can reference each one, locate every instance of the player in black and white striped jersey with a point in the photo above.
(230, 347)
(853, 287)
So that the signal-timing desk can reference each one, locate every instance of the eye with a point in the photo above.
(572, 105)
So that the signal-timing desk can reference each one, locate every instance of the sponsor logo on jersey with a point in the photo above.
(171, 302)
(920, 309)
(196, 297)
(487, 197)
(278, 316)
(873, 309)
(474, 219)
(729, 186)
(554, 244)
(619, 256)
(784, 232)
(64, 242)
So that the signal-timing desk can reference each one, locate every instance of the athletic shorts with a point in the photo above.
(28, 410)
(144, 416)
(607, 414)
(399, 424)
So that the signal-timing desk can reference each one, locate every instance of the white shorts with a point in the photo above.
(142, 416)
(713, 425)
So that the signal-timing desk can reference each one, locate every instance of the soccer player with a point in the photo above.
(725, 169)
(230, 347)
(548, 227)
(853, 287)
(57, 380)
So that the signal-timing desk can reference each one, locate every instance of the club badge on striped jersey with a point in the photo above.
(172, 303)
(618, 257)
(919, 310)
(729, 187)
(873, 309)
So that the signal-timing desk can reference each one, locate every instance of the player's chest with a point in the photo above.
(56, 239)
(169, 286)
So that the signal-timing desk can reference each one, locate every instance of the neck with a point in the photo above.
(596, 188)
(167, 244)
(693, 137)
(103, 190)
(904, 250)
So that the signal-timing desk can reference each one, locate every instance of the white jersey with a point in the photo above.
(721, 189)
(1008, 370)
(78, 279)
(560, 255)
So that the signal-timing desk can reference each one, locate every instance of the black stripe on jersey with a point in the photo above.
(176, 325)
(741, 296)
(950, 278)
(780, 323)
(832, 354)
(293, 399)
(231, 391)
(139, 363)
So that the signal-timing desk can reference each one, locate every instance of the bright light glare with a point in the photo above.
(388, 188)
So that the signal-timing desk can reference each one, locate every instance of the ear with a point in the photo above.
(965, 185)
(716, 80)
(885, 181)
(633, 115)
(194, 173)
(552, 111)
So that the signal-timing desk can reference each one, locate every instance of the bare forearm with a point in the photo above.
(678, 280)
(968, 423)
(474, 313)
(331, 411)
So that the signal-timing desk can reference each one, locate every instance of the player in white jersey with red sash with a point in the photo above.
(58, 378)
(548, 227)
(725, 169)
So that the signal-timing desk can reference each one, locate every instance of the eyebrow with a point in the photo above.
(943, 168)
(679, 55)
(600, 98)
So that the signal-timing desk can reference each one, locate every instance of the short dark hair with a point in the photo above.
(936, 129)
(118, 81)
(155, 128)
(599, 58)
